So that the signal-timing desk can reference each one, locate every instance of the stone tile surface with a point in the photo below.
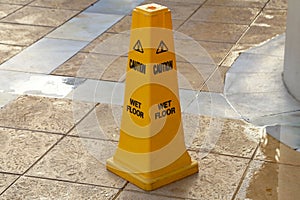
(21, 2)
(193, 75)
(217, 50)
(86, 65)
(179, 10)
(234, 15)
(272, 18)
(102, 123)
(270, 181)
(6, 9)
(63, 4)
(277, 4)
(244, 82)
(79, 160)
(20, 83)
(250, 63)
(82, 27)
(214, 32)
(100, 92)
(274, 47)
(19, 34)
(6, 180)
(43, 114)
(212, 104)
(110, 44)
(44, 56)
(216, 82)
(238, 3)
(5, 98)
(257, 34)
(272, 150)
(141, 196)
(92, 46)
(218, 178)
(225, 136)
(123, 25)
(244, 103)
(20, 149)
(40, 16)
(8, 51)
(119, 7)
(32, 188)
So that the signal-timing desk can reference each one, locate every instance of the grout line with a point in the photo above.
(245, 172)
(201, 5)
(120, 191)
(42, 156)
(21, 7)
(243, 34)
(32, 130)
(68, 181)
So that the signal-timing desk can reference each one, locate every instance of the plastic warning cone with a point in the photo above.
(151, 151)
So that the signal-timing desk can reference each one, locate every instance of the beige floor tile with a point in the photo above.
(21, 2)
(17, 34)
(179, 10)
(121, 26)
(235, 52)
(125, 195)
(6, 180)
(217, 81)
(238, 3)
(110, 44)
(116, 71)
(43, 114)
(277, 4)
(101, 123)
(218, 178)
(6, 9)
(216, 50)
(64, 4)
(8, 51)
(258, 34)
(226, 136)
(270, 18)
(176, 23)
(92, 47)
(270, 181)
(40, 16)
(193, 75)
(89, 65)
(20, 149)
(125, 25)
(231, 15)
(272, 150)
(214, 32)
(33, 188)
(79, 160)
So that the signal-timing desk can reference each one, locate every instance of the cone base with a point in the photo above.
(146, 183)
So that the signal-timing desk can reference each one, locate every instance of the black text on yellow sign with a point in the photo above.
(137, 66)
(134, 107)
(165, 109)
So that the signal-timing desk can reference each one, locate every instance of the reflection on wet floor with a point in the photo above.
(273, 174)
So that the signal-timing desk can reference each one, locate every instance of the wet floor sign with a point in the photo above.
(151, 151)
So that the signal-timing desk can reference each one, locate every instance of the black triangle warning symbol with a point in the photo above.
(138, 47)
(162, 47)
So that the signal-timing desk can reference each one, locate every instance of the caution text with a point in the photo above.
(137, 66)
(162, 67)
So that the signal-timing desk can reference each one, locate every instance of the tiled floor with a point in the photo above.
(62, 68)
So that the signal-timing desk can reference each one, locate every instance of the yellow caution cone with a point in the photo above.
(151, 151)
